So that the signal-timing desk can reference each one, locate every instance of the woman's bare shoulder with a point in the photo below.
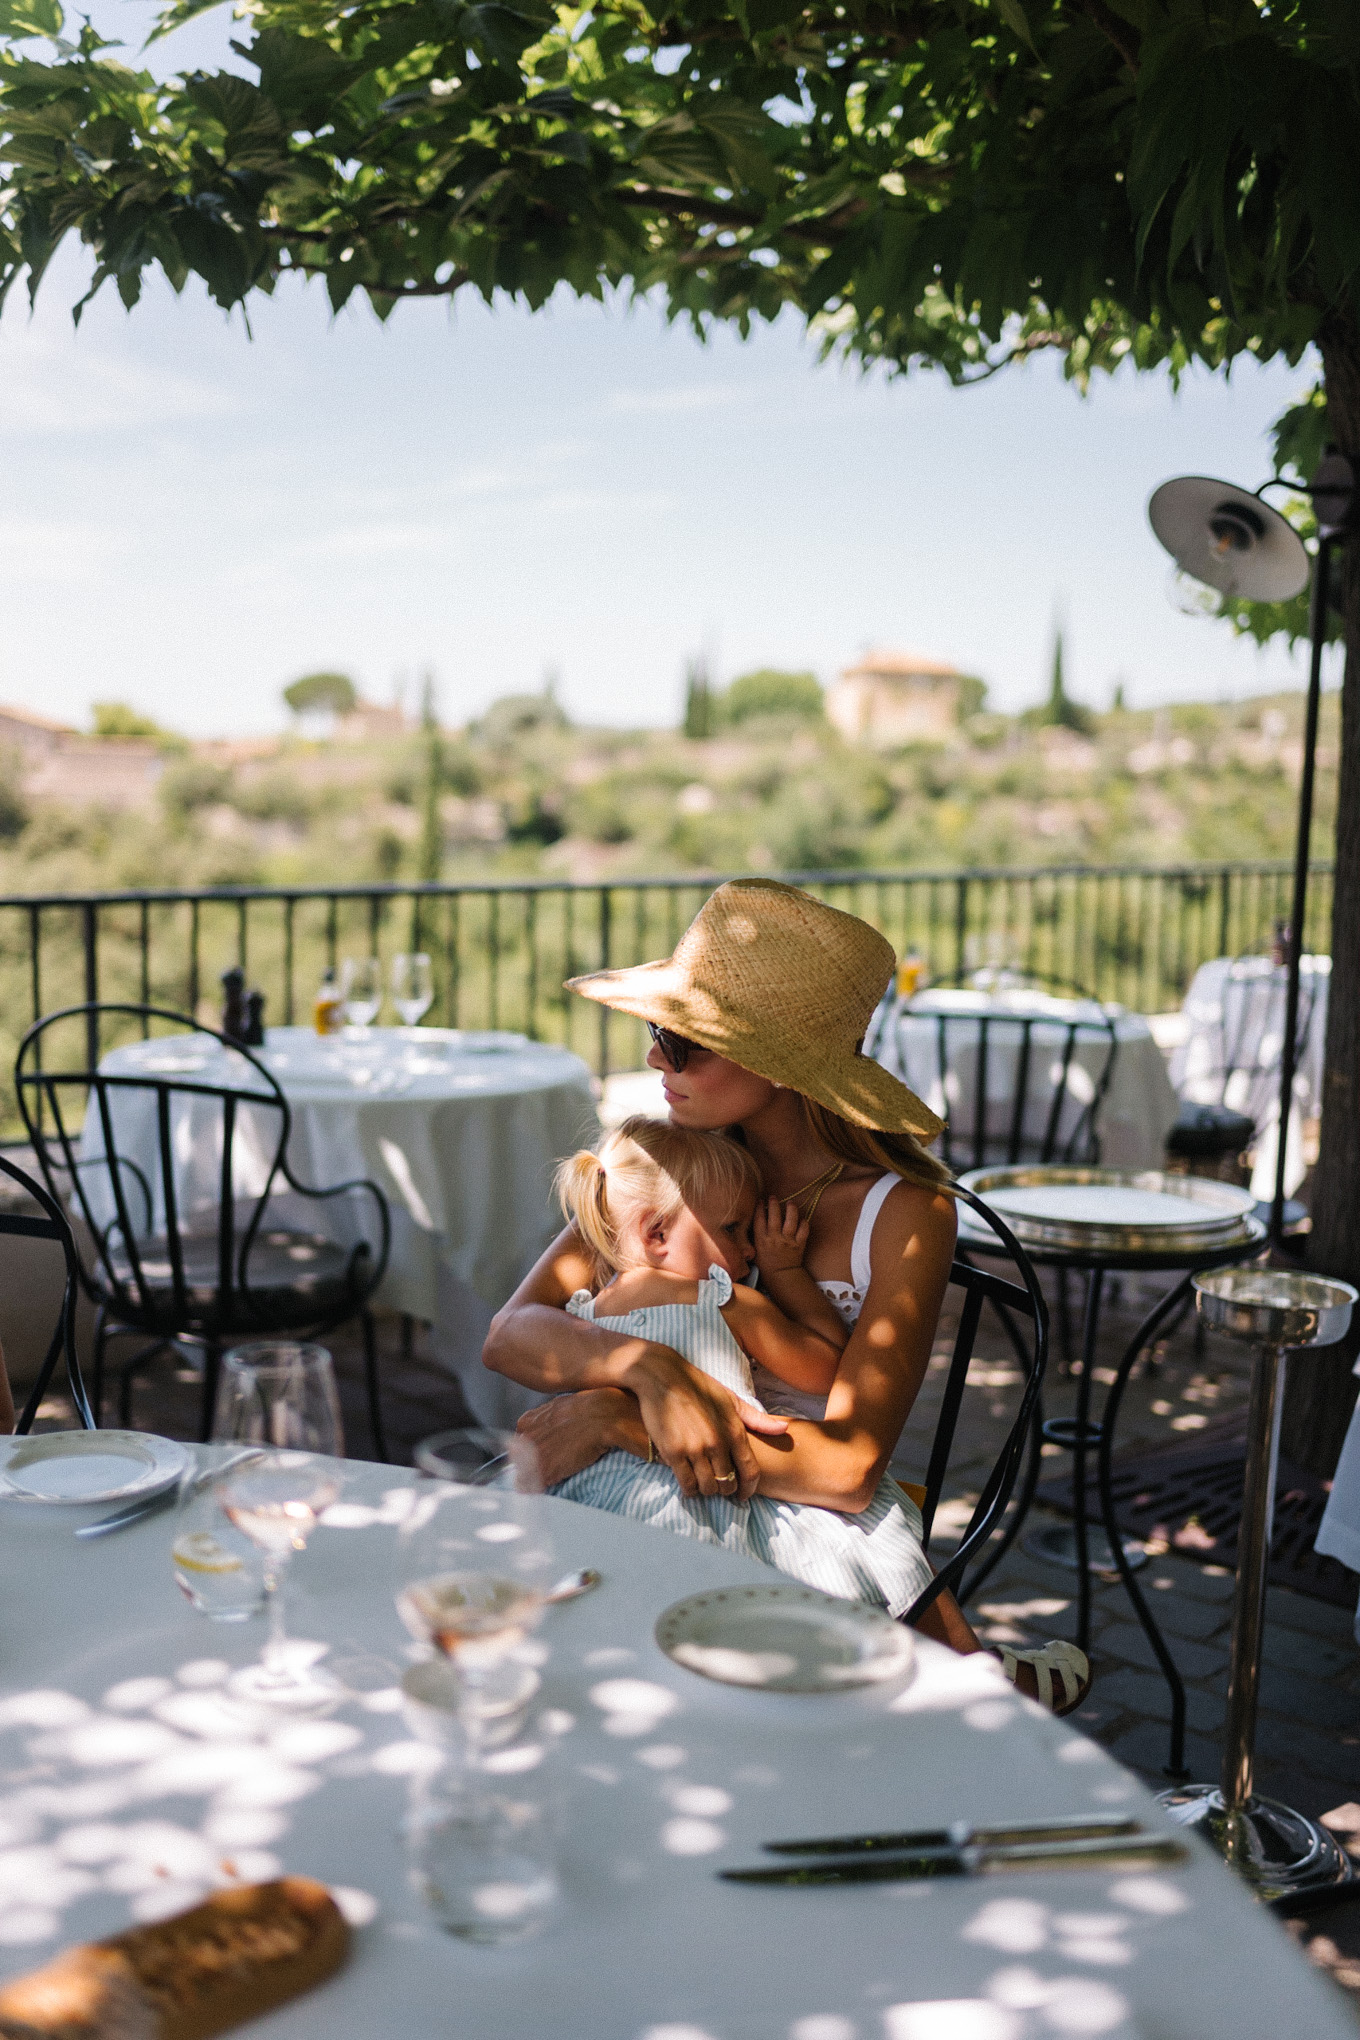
(915, 1214)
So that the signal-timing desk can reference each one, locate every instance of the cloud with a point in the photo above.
(46, 391)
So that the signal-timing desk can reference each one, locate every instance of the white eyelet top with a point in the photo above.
(848, 1300)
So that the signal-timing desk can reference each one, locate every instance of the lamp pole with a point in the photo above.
(1333, 494)
(1298, 913)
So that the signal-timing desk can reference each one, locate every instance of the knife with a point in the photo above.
(1115, 1852)
(166, 1498)
(960, 1833)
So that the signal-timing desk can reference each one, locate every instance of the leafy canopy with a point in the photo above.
(958, 182)
(322, 694)
(771, 692)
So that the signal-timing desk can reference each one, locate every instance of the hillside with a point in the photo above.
(525, 793)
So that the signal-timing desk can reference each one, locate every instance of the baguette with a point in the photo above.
(230, 1959)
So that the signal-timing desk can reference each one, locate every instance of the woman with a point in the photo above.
(757, 1022)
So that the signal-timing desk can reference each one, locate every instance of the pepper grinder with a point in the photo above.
(234, 1003)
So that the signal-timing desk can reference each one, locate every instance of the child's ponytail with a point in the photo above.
(580, 1184)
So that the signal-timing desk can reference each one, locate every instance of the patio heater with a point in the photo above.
(1227, 542)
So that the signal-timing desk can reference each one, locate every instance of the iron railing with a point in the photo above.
(502, 949)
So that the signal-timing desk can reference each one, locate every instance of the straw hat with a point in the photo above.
(776, 981)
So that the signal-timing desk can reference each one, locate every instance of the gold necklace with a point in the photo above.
(817, 1186)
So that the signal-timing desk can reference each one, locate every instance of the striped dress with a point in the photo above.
(874, 1556)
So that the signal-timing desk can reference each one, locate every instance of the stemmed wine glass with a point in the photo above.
(361, 986)
(281, 1396)
(475, 1562)
(412, 987)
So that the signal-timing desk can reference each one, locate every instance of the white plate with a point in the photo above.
(76, 1467)
(785, 1639)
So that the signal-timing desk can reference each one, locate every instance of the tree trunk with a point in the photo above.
(1321, 1390)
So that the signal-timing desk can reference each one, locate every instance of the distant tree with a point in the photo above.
(972, 696)
(698, 723)
(322, 694)
(117, 719)
(430, 855)
(1117, 701)
(1060, 711)
(14, 811)
(515, 715)
(771, 692)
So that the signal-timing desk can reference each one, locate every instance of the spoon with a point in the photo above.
(573, 1585)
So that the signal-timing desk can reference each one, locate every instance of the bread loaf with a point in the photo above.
(228, 1960)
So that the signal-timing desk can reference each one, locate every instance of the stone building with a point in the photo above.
(895, 698)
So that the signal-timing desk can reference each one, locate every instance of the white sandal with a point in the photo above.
(1072, 1666)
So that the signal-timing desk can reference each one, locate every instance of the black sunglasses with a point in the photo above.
(676, 1049)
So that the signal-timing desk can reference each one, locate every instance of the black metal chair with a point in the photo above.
(1019, 1304)
(53, 1224)
(163, 1263)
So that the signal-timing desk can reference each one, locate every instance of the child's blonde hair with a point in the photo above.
(649, 1166)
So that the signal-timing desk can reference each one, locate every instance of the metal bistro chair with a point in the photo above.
(52, 1225)
(1013, 1074)
(215, 1273)
(1019, 1304)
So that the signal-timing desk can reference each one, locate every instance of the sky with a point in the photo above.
(194, 514)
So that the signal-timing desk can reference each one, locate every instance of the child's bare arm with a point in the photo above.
(781, 1234)
(798, 1355)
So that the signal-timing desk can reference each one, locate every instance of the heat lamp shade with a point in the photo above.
(1229, 539)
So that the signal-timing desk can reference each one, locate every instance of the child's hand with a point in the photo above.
(781, 1237)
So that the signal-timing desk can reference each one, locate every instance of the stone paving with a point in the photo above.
(1308, 1743)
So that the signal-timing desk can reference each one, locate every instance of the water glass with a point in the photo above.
(282, 1393)
(361, 987)
(217, 1569)
(412, 987)
(483, 1861)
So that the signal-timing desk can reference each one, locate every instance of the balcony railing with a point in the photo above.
(502, 949)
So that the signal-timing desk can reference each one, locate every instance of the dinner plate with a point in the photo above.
(77, 1467)
(785, 1639)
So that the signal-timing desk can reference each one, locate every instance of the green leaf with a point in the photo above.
(22, 18)
(1013, 14)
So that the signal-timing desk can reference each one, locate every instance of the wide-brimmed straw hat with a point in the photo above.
(776, 981)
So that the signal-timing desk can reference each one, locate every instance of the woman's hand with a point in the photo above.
(572, 1431)
(781, 1237)
(698, 1428)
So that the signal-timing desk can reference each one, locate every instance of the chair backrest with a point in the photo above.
(1019, 1086)
(84, 1120)
(50, 1223)
(1251, 1030)
(1024, 1316)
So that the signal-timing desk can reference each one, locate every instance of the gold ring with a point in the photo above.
(723, 1479)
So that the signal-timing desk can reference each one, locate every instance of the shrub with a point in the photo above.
(769, 692)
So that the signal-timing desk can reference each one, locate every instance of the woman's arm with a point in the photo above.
(837, 1464)
(697, 1427)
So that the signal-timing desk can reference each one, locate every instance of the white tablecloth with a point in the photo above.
(1139, 1108)
(124, 1795)
(1234, 1010)
(459, 1131)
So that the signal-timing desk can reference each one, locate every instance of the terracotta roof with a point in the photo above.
(900, 665)
(38, 722)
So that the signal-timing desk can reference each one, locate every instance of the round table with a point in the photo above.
(460, 1131)
(1078, 1434)
(127, 1795)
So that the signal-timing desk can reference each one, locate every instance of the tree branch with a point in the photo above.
(1118, 32)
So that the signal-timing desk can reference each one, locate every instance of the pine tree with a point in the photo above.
(698, 701)
(431, 856)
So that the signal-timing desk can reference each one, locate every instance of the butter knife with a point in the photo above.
(958, 1834)
(167, 1497)
(1122, 1852)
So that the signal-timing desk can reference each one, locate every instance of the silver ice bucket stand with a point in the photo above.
(1278, 1851)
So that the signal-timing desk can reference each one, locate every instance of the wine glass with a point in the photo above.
(412, 987)
(362, 988)
(283, 1396)
(475, 1561)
